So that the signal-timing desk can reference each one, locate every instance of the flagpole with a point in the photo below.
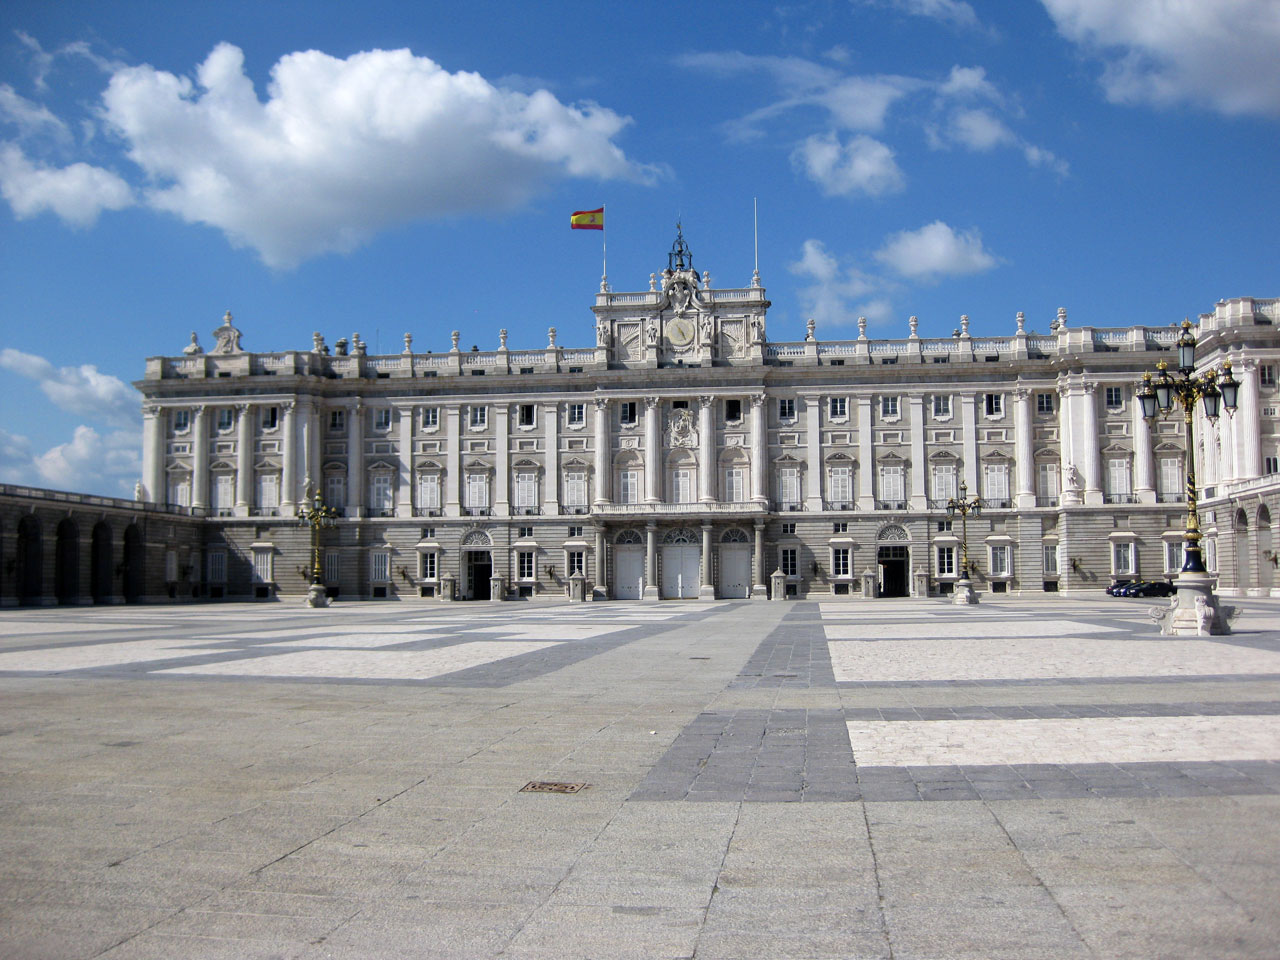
(604, 251)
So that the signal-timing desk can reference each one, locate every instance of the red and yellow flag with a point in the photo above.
(587, 220)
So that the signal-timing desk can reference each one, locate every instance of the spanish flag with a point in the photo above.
(587, 220)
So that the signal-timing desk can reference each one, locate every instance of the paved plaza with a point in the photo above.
(1042, 778)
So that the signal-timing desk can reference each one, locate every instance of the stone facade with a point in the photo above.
(685, 454)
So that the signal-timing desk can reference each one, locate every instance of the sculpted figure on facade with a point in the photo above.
(682, 432)
(193, 348)
(227, 337)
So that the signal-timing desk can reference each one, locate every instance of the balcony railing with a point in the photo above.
(891, 504)
(1046, 501)
(788, 506)
(426, 511)
(477, 511)
(1119, 498)
(839, 505)
(577, 510)
(527, 511)
(1171, 498)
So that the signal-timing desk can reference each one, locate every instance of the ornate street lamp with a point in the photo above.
(964, 506)
(317, 516)
(1159, 397)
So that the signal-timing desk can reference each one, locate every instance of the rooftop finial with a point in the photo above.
(679, 258)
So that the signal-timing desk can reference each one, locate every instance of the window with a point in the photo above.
(993, 404)
(526, 490)
(840, 561)
(1267, 375)
(429, 491)
(1211, 554)
(1000, 560)
(477, 491)
(996, 483)
(332, 567)
(1050, 559)
(575, 488)
(942, 405)
(1122, 558)
(789, 485)
(576, 562)
(1047, 482)
(787, 561)
(838, 408)
(382, 419)
(788, 530)
(888, 406)
(946, 561)
(181, 421)
(1173, 556)
(430, 418)
(682, 485)
(577, 414)
(629, 486)
(1270, 465)
(679, 404)
(1170, 476)
(269, 493)
(523, 533)
(524, 415)
(335, 492)
(217, 566)
(224, 495)
(944, 481)
(575, 532)
(180, 492)
(478, 417)
(380, 566)
(891, 482)
(524, 564)
(380, 494)
(427, 565)
(262, 565)
(840, 484)
(733, 410)
(627, 412)
(1118, 476)
(1114, 397)
(840, 526)
(1044, 403)
(337, 421)
(171, 565)
(944, 526)
(735, 485)
(786, 408)
(226, 419)
(270, 418)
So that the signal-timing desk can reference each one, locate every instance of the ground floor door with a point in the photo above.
(893, 572)
(680, 562)
(628, 573)
(479, 570)
(735, 572)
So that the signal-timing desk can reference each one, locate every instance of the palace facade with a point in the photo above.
(685, 454)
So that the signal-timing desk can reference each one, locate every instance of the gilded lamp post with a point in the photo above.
(1195, 609)
(964, 506)
(317, 516)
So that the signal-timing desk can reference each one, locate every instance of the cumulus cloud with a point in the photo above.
(836, 294)
(1219, 54)
(342, 148)
(81, 390)
(15, 458)
(954, 12)
(862, 165)
(77, 193)
(92, 462)
(935, 250)
(32, 119)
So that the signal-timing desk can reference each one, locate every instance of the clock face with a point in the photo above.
(680, 331)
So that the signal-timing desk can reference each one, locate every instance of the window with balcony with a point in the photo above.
(1119, 487)
(735, 484)
(1170, 480)
(380, 502)
(789, 486)
(526, 490)
(891, 486)
(478, 491)
(996, 484)
(180, 491)
(429, 491)
(944, 481)
(335, 492)
(629, 486)
(682, 485)
(1047, 484)
(223, 494)
(840, 485)
(269, 494)
(575, 488)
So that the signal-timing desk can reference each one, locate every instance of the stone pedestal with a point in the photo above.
(447, 584)
(964, 592)
(868, 584)
(577, 588)
(1193, 611)
(778, 584)
(316, 596)
(920, 580)
(497, 589)
(651, 592)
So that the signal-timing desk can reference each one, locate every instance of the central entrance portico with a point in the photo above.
(681, 562)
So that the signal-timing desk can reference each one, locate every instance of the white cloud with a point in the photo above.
(836, 294)
(344, 148)
(32, 119)
(948, 11)
(82, 390)
(971, 106)
(15, 458)
(1215, 53)
(935, 250)
(91, 462)
(77, 193)
(979, 130)
(863, 165)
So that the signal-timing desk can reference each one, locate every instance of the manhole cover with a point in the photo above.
(551, 786)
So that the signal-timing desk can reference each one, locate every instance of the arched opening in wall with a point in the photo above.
(893, 559)
(628, 566)
(1244, 580)
(100, 563)
(477, 553)
(1266, 552)
(133, 568)
(681, 557)
(735, 564)
(66, 562)
(28, 565)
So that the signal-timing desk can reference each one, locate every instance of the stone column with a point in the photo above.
(652, 452)
(969, 438)
(601, 566)
(707, 591)
(758, 590)
(706, 450)
(502, 460)
(651, 562)
(154, 422)
(1143, 472)
(355, 460)
(1087, 403)
(244, 459)
(453, 460)
(813, 452)
(200, 458)
(309, 437)
(866, 457)
(759, 450)
(289, 471)
(919, 463)
(404, 482)
(1023, 450)
(1249, 432)
(604, 466)
(551, 482)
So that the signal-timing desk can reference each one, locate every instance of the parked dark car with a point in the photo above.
(1114, 589)
(1151, 588)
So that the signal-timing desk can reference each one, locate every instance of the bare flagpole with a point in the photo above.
(755, 226)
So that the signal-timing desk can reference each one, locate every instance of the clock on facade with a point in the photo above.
(680, 331)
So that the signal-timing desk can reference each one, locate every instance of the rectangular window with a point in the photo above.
(1044, 403)
(1114, 397)
(526, 490)
(735, 485)
(224, 495)
(523, 533)
(1173, 556)
(891, 482)
(786, 408)
(944, 526)
(217, 566)
(1000, 560)
(1270, 465)
(1047, 481)
(840, 526)
(427, 565)
(380, 493)
(946, 561)
(1050, 559)
(478, 417)
(1118, 476)
(1170, 476)
(575, 532)
(337, 421)
(629, 486)
(838, 408)
(576, 562)
(270, 418)
(382, 419)
(944, 481)
(996, 483)
(1267, 375)
(380, 566)
(577, 414)
(332, 567)
(1211, 554)
(269, 493)
(524, 564)
(429, 491)
(733, 410)
(787, 561)
(335, 492)
(840, 484)
(942, 405)
(181, 421)
(627, 412)
(840, 561)
(262, 566)
(1122, 558)
(430, 418)
(888, 406)
(477, 490)
(789, 485)
(993, 404)
(180, 493)
(524, 415)
(575, 489)
(171, 565)
(682, 485)
(788, 529)
(226, 419)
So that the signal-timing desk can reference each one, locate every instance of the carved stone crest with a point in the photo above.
(680, 431)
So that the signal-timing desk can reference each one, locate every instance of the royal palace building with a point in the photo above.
(685, 454)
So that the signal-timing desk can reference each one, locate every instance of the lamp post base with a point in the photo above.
(1194, 610)
(316, 596)
(963, 593)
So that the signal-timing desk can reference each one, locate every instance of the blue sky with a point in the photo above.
(391, 167)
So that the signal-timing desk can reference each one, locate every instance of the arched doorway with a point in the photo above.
(134, 564)
(681, 556)
(1266, 551)
(735, 565)
(100, 563)
(28, 567)
(66, 562)
(628, 566)
(477, 554)
(1244, 579)
(893, 560)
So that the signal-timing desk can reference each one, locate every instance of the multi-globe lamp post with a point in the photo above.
(964, 506)
(317, 516)
(1195, 608)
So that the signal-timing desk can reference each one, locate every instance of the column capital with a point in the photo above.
(651, 403)
(243, 408)
(602, 403)
(706, 400)
(757, 399)
(1021, 393)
